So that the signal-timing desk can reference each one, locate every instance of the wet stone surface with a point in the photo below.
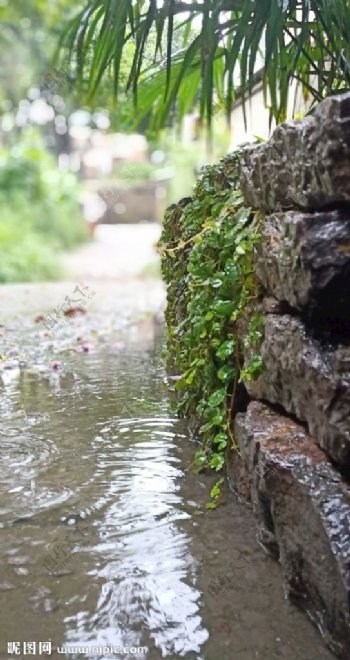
(105, 537)
(305, 164)
(304, 259)
(302, 505)
(308, 380)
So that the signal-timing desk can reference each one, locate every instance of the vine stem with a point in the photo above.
(182, 244)
(233, 397)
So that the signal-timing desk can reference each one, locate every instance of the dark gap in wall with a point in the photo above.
(316, 207)
(328, 319)
(344, 470)
(242, 400)
(328, 331)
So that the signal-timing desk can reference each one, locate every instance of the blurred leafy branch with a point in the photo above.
(210, 51)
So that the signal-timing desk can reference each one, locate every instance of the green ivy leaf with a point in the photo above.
(226, 373)
(217, 462)
(216, 489)
(180, 385)
(216, 282)
(224, 308)
(255, 366)
(226, 349)
(200, 460)
(217, 398)
(219, 438)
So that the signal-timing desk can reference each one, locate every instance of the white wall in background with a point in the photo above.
(258, 116)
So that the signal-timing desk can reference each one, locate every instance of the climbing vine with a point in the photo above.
(207, 263)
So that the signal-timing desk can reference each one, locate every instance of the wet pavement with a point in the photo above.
(118, 252)
(105, 538)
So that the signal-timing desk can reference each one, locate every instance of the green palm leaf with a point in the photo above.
(223, 44)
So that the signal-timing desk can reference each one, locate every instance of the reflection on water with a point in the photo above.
(103, 536)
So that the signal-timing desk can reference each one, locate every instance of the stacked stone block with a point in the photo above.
(294, 440)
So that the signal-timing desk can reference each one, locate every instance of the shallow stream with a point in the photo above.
(105, 539)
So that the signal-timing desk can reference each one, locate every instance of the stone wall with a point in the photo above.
(293, 462)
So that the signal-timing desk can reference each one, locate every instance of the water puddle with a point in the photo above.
(104, 536)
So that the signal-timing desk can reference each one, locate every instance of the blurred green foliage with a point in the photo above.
(28, 38)
(39, 213)
(135, 172)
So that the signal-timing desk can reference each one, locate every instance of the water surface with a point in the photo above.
(105, 538)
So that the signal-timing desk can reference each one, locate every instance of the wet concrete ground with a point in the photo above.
(118, 252)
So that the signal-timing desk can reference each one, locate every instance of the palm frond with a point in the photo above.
(222, 44)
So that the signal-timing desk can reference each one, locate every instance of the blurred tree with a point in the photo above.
(28, 35)
(29, 32)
